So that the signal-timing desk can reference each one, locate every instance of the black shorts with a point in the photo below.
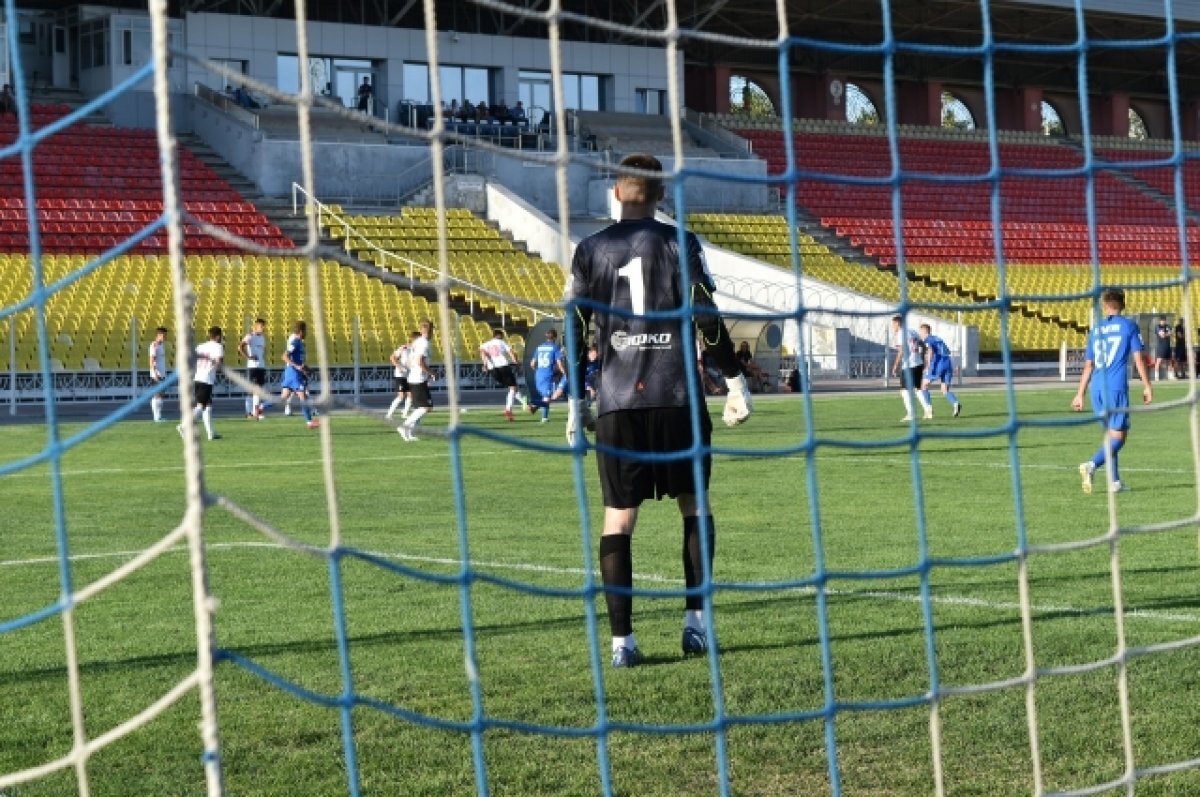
(203, 393)
(627, 481)
(506, 376)
(420, 395)
(257, 376)
(915, 374)
(400, 383)
(1163, 352)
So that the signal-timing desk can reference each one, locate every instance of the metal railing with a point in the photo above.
(414, 271)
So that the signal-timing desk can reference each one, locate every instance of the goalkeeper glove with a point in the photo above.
(579, 415)
(737, 404)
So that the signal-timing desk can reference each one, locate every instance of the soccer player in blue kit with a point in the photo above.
(940, 366)
(295, 374)
(1111, 344)
(548, 364)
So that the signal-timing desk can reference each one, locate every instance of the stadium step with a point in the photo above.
(836, 243)
(278, 210)
(1144, 188)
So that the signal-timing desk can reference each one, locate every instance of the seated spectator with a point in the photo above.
(517, 114)
(467, 112)
(450, 111)
(481, 112)
(755, 377)
(242, 98)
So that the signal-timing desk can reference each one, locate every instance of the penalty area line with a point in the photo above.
(885, 596)
(28, 474)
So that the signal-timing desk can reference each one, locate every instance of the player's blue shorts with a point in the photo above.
(544, 384)
(293, 380)
(1117, 401)
(943, 370)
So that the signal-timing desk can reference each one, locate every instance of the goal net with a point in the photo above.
(897, 608)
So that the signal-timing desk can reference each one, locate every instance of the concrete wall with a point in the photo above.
(526, 223)
(361, 170)
(535, 182)
(260, 40)
(341, 170)
(589, 185)
(233, 140)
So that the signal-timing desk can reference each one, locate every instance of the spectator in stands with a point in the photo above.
(755, 376)
(450, 111)
(365, 92)
(467, 111)
(517, 114)
(242, 98)
(481, 112)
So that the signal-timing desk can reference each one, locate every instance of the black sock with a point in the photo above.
(616, 570)
(693, 569)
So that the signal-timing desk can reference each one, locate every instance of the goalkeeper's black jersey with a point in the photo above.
(635, 266)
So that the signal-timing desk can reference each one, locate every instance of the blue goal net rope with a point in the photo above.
(814, 577)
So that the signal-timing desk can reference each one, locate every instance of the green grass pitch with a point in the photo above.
(123, 490)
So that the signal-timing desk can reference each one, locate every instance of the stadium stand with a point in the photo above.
(92, 319)
(766, 238)
(117, 169)
(478, 255)
(1042, 220)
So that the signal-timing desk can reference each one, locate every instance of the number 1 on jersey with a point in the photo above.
(632, 271)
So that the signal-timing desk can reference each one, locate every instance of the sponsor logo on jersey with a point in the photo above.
(622, 340)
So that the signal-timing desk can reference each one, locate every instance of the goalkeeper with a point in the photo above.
(643, 403)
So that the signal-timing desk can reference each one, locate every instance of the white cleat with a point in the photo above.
(906, 419)
(1118, 487)
(929, 415)
(1085, 476)
(957, 409)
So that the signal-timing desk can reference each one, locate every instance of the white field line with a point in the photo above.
(872, 594)
(443, 454)
(929, 459)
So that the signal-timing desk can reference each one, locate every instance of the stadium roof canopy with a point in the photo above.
(725, 29)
